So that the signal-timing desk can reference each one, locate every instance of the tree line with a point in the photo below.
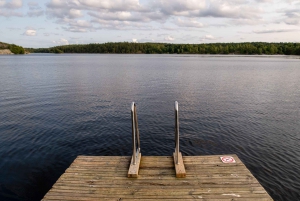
(13, 48)
(165, 48)
(16, 49)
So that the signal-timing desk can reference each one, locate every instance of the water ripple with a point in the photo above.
(54, 109)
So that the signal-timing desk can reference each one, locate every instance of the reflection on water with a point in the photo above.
(55, 107)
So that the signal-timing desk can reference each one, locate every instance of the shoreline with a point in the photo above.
(182, 54)
(5, 51)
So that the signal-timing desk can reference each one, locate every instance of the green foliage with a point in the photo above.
(164, 48)
(4, 46)
(56, 51)
(16, 49)
(29, 50)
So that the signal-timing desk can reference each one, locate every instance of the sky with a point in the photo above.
(47, 23)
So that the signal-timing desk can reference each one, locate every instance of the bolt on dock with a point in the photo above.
(170, 178)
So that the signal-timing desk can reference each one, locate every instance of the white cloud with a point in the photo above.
(179, 7)
(122, 25)
(79, 26)
(74, 13)
(64, 41)
(9, 13)
(292, 21)
(61, 41)
(63, 9)
(11, 4)
(189, 23)
(119, 16)
(209, 37)
(7, 8)
(242, 22)
(34, 10)
(292, 1)
(81, 23)
(74, 8)
(116, 5)
(126, 17)
(169, 38)
(134, 40)
(264, 1)
(31, 3)
(123, 14)
(225, 9)
(146, 40)
(209, 8)
(177, 18)
(57, 3)
(30, 32)
(35, 13)
(292, 16)
(265, 31)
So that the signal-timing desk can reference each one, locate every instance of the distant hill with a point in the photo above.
(6, 48)
(249, 48)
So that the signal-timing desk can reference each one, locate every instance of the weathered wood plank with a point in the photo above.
(179, 167)
(145, 171)
(164, 184)
(207, 178)
(232, 196)
(190, 198)
(134, 168)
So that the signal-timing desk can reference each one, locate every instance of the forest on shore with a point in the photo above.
(15, 49)
(250, 48)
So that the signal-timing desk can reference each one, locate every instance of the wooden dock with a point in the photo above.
(207, 178)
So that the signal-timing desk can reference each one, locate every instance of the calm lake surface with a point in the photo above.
(56, 107)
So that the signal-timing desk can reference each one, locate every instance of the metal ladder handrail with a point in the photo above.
(135, 134)
(176, 134)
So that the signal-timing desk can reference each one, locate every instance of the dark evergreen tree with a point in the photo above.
(254, 48)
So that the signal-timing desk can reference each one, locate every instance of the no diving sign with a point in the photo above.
(227, 159)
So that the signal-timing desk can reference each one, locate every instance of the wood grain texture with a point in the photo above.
(134, 168)
(207, 178)
(179, 168)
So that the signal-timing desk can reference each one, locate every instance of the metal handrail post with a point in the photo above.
(136, 148)
(137, 129)
(176, 133)
(133, 132)
(178, 160)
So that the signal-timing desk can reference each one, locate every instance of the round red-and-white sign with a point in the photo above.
(227, 159)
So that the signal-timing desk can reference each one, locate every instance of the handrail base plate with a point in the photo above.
(134, 169)
(179, 168)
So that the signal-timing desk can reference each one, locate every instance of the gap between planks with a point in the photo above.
(207, 178)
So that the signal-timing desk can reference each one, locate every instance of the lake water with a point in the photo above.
(56, 107)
